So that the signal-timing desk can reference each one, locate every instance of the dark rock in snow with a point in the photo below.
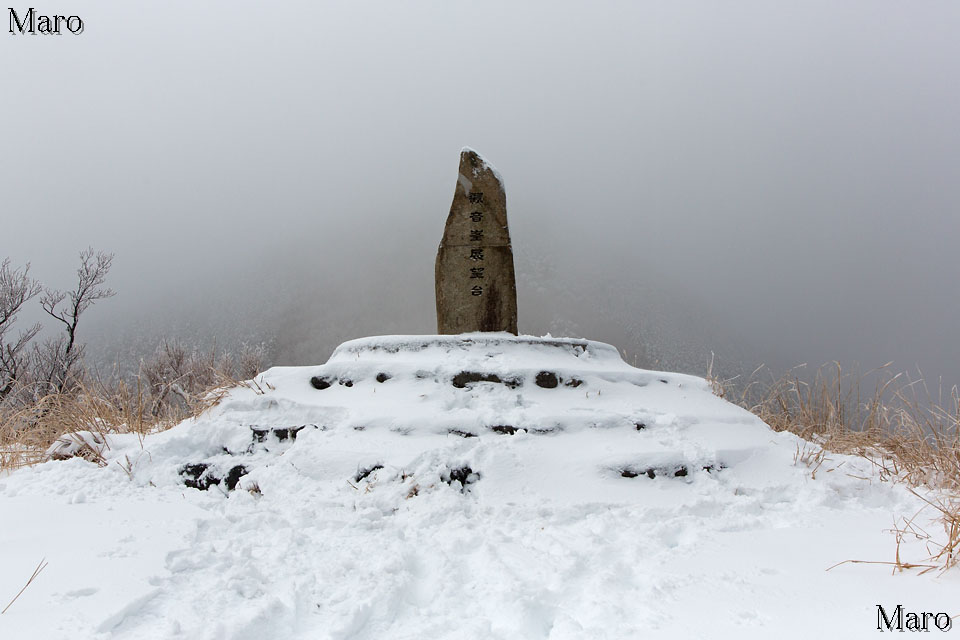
(199, 476)
(234, 475)
(320, 382)
(366, 471)
(547, 380)
(464, 475)
(464, 378)
(674, 471)
(285, 433)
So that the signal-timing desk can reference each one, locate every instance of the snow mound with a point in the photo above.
(579, 418)
(483, 485)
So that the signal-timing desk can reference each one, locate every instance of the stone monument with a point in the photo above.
(476, 286)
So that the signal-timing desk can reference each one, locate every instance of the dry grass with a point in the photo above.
(25, 435)
(175, 384)
(910, 434)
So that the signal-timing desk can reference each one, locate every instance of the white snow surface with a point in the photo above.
(414, 507)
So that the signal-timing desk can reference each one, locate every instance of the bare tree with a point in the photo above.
(57, 358)
(16, 288)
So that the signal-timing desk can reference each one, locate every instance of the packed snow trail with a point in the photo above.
(459, 487)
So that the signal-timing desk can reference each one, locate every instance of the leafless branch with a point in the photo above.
(59, 357)
(16, 288)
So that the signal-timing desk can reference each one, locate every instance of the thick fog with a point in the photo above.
(773, 182)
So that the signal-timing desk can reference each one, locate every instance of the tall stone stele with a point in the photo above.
(476, 286)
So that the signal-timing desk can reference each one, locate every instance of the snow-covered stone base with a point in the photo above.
(458, 486)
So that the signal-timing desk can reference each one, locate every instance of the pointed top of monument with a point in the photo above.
(472, 158)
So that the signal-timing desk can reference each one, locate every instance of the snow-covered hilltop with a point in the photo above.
(474, 486)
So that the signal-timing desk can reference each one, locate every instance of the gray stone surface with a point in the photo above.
(476, 286)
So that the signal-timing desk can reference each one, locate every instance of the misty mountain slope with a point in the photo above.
(458, 487)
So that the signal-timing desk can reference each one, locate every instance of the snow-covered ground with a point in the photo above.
(460, 487)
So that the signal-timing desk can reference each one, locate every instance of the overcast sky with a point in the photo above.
(774, 181)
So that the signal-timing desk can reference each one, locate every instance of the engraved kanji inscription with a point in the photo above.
(475, 282)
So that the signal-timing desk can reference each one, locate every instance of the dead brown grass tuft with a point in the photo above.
(910, 434)
(173, 385)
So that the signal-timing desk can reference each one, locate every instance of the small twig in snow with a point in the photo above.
(36, 572)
